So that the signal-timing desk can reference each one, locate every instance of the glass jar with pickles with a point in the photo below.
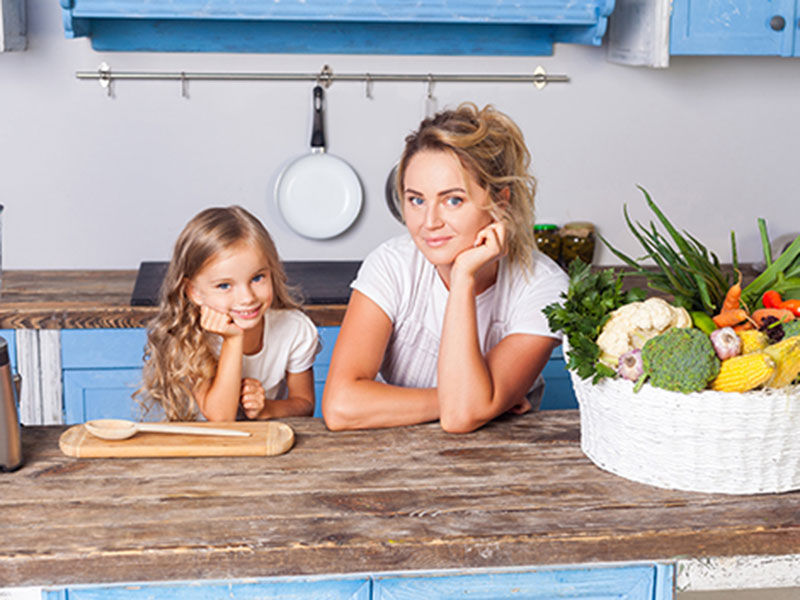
(577, 241)
(547, 239)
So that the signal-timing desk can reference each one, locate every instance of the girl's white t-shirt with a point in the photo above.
(290, 344)
(401, 281)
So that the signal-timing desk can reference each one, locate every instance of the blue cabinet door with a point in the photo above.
(328, 338)
(558, 392)
(287, 588)
(734, 27)
(102, 394)
(639, 582)
(102, 368)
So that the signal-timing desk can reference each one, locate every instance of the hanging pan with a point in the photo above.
(319, 195)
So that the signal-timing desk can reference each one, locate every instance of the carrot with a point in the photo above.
(733, 296)
(729, 318)
(743, 326)
(782, 314)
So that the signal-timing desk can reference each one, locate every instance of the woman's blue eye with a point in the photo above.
(258, 278)
(415, 200)
(223, 286)
(454, 201)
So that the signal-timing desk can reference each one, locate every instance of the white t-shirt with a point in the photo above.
(290, 343)
(401, 281)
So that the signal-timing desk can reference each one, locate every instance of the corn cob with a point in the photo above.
(744, 372)
(786, 355)
(753, 340)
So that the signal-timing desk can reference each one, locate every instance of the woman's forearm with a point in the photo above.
(368, 404)
(465, 388)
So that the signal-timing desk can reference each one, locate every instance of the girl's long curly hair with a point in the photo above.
(178, 354)
(491, 148)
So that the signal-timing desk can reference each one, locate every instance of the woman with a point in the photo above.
(450, 313)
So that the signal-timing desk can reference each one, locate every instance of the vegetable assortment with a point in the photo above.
(713, 334)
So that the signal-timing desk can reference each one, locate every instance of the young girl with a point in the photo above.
(450, 313)
(228, 338)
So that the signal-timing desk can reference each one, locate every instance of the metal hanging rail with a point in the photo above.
(539, 78)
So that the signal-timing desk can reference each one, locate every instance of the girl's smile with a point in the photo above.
(236, 282)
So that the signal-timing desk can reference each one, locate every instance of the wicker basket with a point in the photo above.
(705, 441)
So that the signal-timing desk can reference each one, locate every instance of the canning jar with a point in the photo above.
(577, 241)
(547, 239)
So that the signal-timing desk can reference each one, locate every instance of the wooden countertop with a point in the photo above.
(83, 299)
(518, 492)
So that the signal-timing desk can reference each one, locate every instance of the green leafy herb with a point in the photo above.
(587, 303)
(687, 271)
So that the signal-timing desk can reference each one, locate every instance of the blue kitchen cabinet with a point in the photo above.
(626, 582)
(634, 582)
(101, 370)
(328, 338)
(558, 392)
(284, 588)
(735, 27)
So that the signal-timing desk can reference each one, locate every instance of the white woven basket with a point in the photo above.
(705, 441)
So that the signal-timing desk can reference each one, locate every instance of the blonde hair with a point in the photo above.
(491, 148)
(179, 355)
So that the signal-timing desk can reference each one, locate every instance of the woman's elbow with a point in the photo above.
(461, 422)
(334, 410)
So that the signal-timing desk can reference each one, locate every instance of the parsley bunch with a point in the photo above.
(588, 301)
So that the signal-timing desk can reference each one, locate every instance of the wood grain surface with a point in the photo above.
(517, 492)
(268, 438)
(82, 299)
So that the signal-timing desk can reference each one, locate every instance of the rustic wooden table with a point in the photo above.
(517, 492)
(85, 299)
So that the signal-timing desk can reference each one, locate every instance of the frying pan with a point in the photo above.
(319, 195)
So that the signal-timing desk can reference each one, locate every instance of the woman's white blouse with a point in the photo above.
(398, 278)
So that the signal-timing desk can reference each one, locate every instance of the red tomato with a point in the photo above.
(792, 305)
(771, 299)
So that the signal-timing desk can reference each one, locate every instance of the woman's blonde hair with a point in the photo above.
(491, 148)
(179, 355)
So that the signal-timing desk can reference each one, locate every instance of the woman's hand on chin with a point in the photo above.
(489, 247)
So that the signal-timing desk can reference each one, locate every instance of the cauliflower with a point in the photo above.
(631, 325)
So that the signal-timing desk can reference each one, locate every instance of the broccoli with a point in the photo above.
(682, 359)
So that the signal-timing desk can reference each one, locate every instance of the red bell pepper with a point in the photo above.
(771, 299)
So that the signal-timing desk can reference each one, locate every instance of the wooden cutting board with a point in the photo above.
(268, 438)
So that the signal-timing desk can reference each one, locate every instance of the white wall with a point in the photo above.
(93, 182)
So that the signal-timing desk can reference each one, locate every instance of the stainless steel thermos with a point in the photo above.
(10, 438)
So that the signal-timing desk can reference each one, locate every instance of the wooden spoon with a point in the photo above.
(121, 429)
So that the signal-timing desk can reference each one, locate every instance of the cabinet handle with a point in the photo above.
(777, 23)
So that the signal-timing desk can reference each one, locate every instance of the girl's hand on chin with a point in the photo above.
(218, 322)
(489, 247)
